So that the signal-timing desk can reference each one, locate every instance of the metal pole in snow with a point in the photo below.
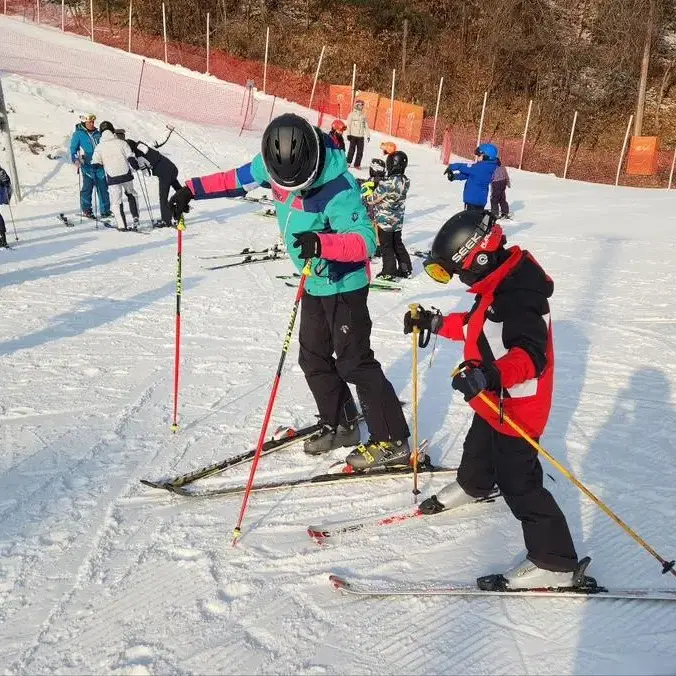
(570, 143)
(481, 122)
(624, 147)
(314, 84)
(164, 30)
(354, 82)
(129, 40)
(394, 75)
(208, 43)
(671, 173)
(436, 112)
(525, 133)
(265, 63)
(91, 18)
(4, 128)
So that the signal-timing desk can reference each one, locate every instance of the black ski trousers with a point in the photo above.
(3, 232)
(167, 174)
(395, 257)
(491, 458)
(356, 143)
(335, 349)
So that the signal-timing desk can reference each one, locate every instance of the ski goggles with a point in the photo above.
(90, 117)
(437, 270)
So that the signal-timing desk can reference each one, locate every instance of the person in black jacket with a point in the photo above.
(5, 196)
(165, 170)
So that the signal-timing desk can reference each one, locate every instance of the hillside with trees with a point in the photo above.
(567, 55)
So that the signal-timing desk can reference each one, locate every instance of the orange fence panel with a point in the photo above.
(340, 98)
(642, 156)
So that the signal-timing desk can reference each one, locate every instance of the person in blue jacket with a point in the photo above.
(478, 176)
(85, 138)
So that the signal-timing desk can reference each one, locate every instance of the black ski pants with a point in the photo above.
(167, 174)
(395, 257)
(491, 458)
(356, 143)
(499, 204)
(3, 232)
(335, 349)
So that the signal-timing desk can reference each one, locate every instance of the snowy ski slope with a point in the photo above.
(100, 574)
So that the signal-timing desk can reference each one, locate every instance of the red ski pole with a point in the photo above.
(179, 288)
(271, 402)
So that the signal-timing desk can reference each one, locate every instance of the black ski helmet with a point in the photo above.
(377, 168)
(106, 126)
(466, 245)
(396, 163)
(293, 152)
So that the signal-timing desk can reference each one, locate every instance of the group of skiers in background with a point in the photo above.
(385, 191)
(105, 160)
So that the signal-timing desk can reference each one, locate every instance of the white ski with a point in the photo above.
(385, 588)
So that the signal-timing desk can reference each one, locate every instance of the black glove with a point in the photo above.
(309, 244)
(474, 379)
(449, 174)
(133, 163)
(179, 202)
(427, 320)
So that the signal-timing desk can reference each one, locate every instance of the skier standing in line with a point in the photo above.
(357, 129)
(509, 355)
(82, 144)
(499, 184)
(478, 176)
(321, 216)
(166, 172)
(336, 134)
(5, 196)
(118, 160)
(389, 203)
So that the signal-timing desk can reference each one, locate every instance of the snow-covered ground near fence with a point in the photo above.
(99, 574)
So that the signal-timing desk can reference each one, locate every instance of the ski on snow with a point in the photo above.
(326, 531)
(246, 252)
(138, 231)
(586, 588)
(317, 480)
(66, 221)
(251, 258)
(282, 438)
(384, 588)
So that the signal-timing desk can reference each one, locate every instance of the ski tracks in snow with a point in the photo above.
(50, 559)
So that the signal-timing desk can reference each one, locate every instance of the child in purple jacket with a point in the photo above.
(499, 184)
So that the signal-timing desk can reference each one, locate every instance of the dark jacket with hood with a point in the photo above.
(509, 327)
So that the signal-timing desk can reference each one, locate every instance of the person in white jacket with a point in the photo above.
(357, 129)
(118, 160)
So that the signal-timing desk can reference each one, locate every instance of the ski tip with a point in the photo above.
(338, 582)
(317, 534)
(152, 484)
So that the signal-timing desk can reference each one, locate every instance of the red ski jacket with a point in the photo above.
(509, 326)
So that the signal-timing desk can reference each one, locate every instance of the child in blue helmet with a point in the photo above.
(477, 175)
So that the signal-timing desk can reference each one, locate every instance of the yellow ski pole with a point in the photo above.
(667, 566)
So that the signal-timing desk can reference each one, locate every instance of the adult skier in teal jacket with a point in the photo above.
(321, 216)
(85, 138)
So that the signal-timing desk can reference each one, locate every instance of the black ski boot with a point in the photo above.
(329, 438)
